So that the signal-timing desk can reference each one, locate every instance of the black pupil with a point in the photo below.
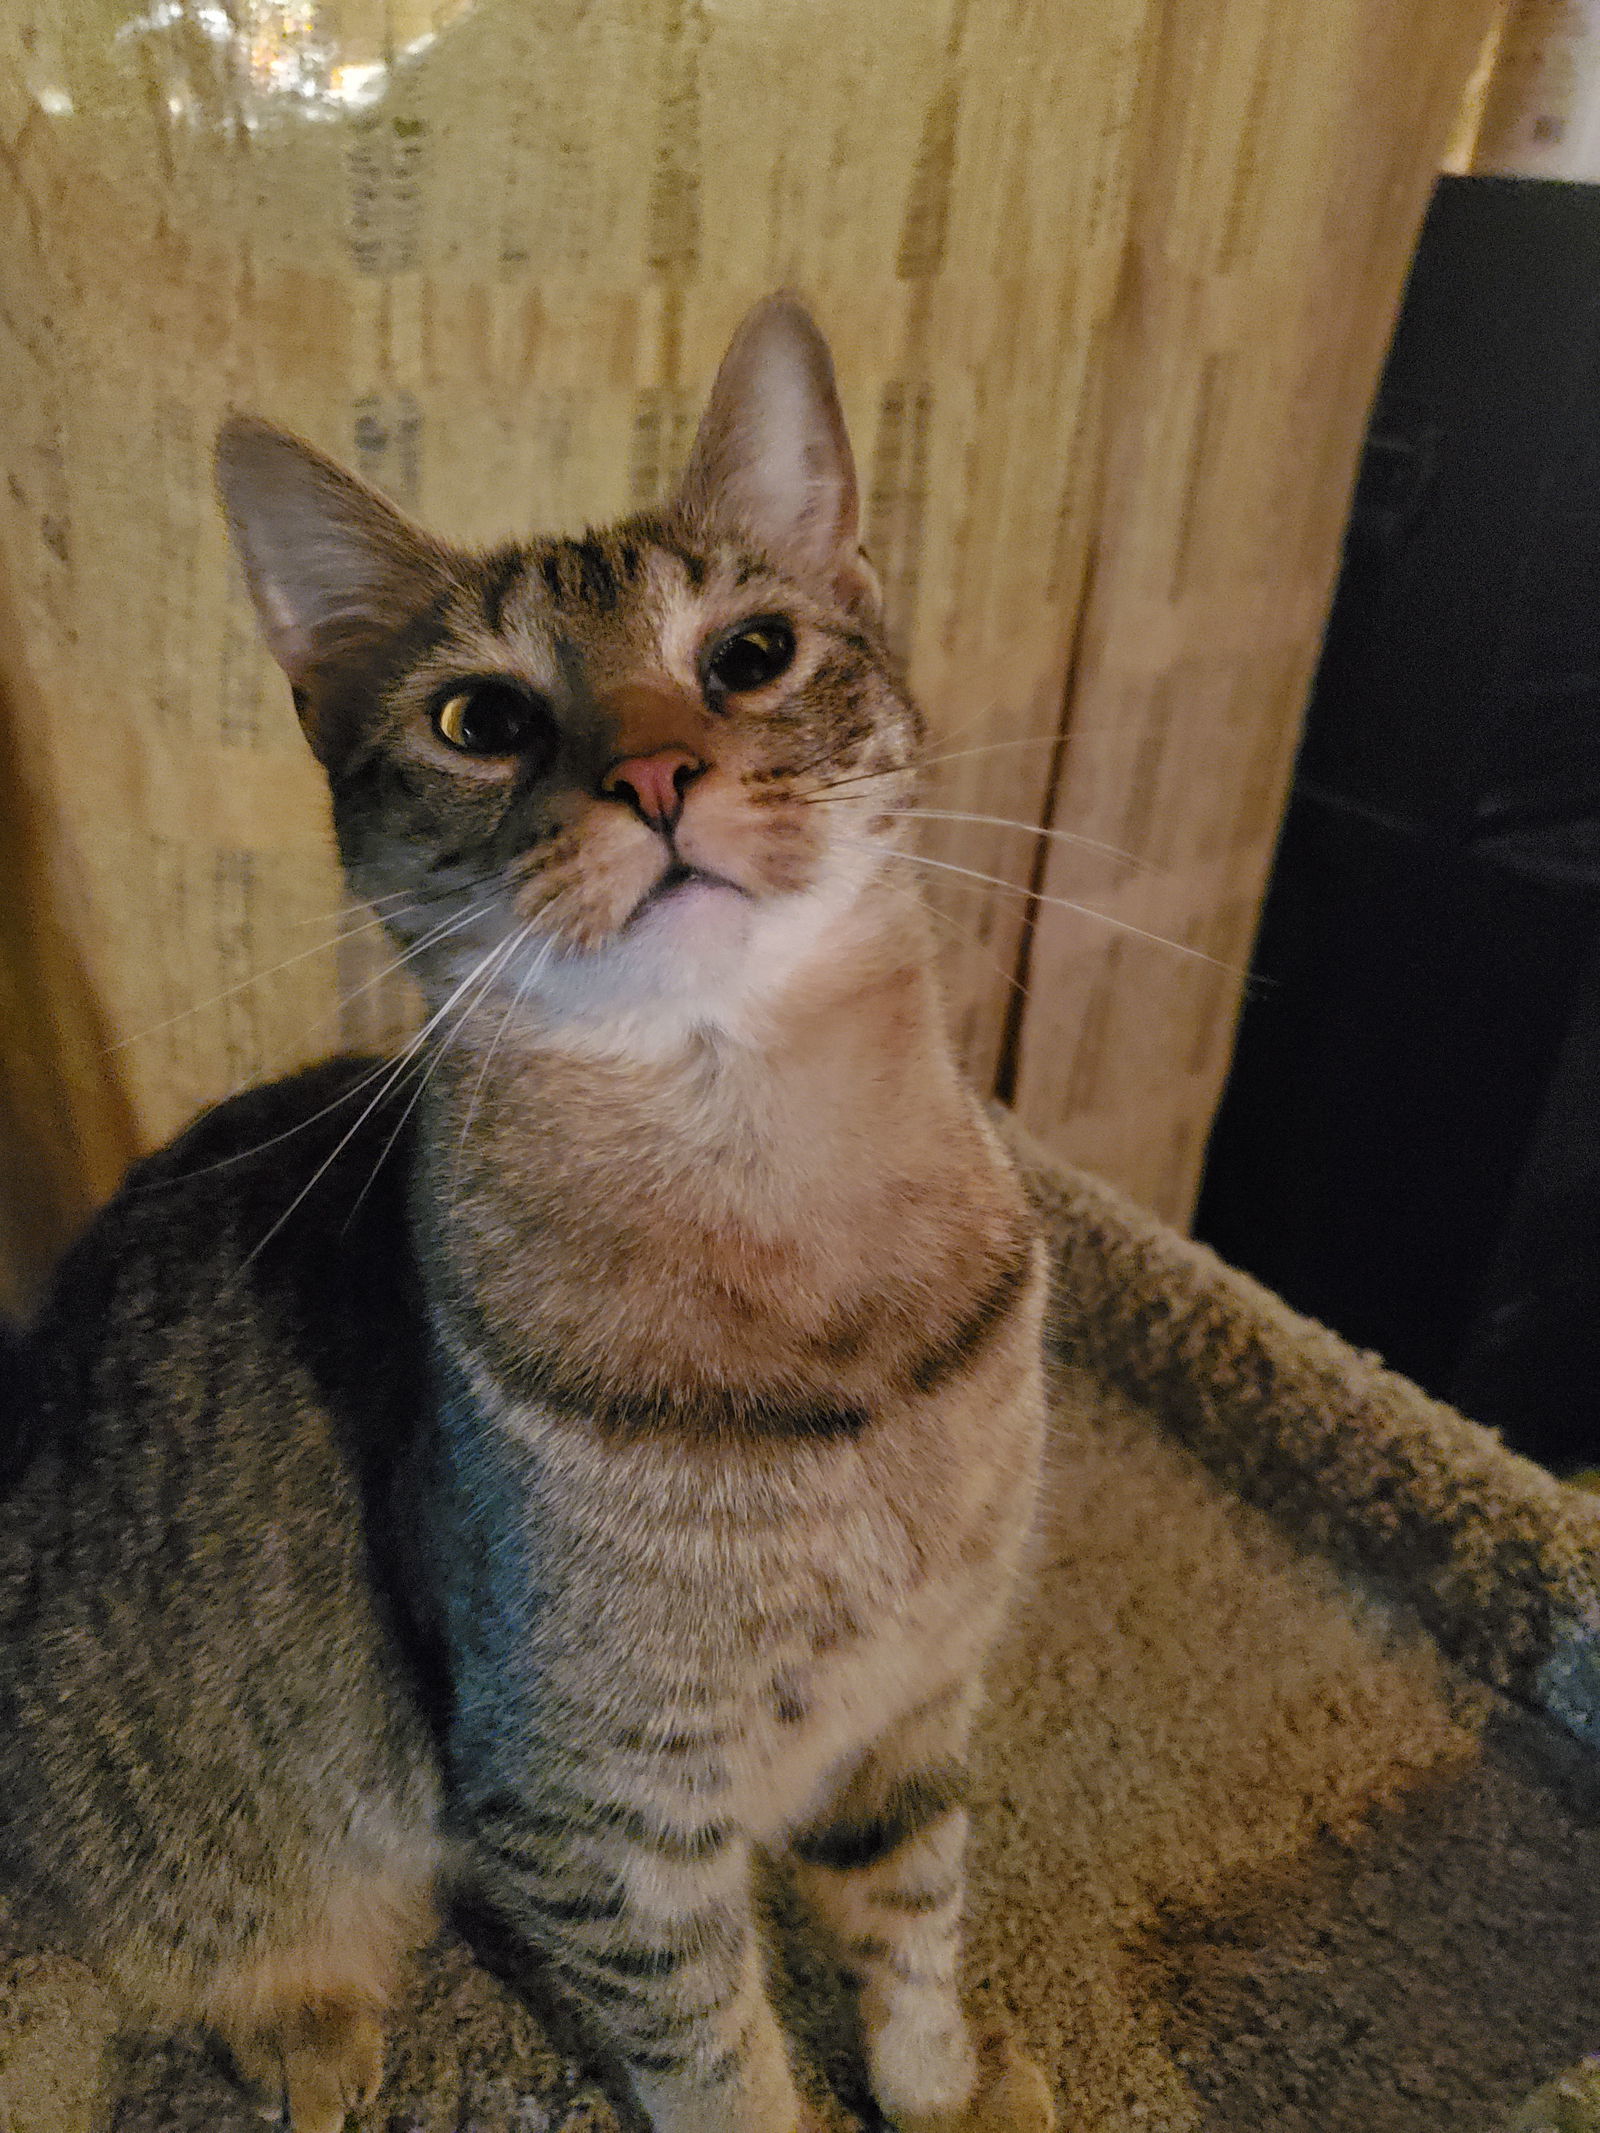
(496, 718)
(758, 654)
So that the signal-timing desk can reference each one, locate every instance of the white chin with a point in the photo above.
(695, 918)
(702, 957)
(686, 959)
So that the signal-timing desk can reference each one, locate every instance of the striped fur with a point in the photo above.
(604, 1454)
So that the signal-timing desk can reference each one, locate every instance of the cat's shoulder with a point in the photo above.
(259, 1265)
(327, 1140)
(287, 1198)
(291, 1120)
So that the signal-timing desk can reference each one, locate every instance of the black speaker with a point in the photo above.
(1409, 1143)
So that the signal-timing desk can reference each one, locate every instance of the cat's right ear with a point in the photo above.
(333, 568)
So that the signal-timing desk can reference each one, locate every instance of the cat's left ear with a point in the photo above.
(334, 569)
(771, 456)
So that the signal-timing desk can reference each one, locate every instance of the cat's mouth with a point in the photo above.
(680, 883)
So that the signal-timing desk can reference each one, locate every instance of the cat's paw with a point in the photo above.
(1012, 2096)
(318, 2067)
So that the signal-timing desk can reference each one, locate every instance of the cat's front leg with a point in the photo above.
(649, 1929)
(883, 1868)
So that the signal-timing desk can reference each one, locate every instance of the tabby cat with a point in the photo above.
(598, 1445)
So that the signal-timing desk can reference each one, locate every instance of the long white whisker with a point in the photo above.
(353, 904)
(406, 1057)
(932, 762)
(1063, 903)
(535, 966)
(968, 942)
(496, 963)
(1028, 829)
(946, 754)
(258, 977)
(1035, 829)
(245, 1155)
(431, 939)
(1012, 740)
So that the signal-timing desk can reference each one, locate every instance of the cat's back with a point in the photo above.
(268, 1242)
(193, 1585)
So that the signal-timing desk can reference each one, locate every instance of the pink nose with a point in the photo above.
(654, 785)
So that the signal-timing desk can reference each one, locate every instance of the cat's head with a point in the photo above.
(645, 773)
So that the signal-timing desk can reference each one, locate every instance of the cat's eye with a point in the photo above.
(493, 716)
(750, 656)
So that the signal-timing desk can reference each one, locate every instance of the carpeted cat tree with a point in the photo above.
(1288, 1788)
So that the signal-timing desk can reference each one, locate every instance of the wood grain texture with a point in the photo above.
(1288, 156)
(1104, 277)
(66, 1136)
(500, 288)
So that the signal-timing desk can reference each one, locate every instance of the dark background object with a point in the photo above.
(1409, 1144)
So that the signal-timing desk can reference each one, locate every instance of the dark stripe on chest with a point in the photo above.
(959, 1349)
(716, 1411)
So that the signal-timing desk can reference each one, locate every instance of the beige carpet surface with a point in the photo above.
(1263, 1839)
